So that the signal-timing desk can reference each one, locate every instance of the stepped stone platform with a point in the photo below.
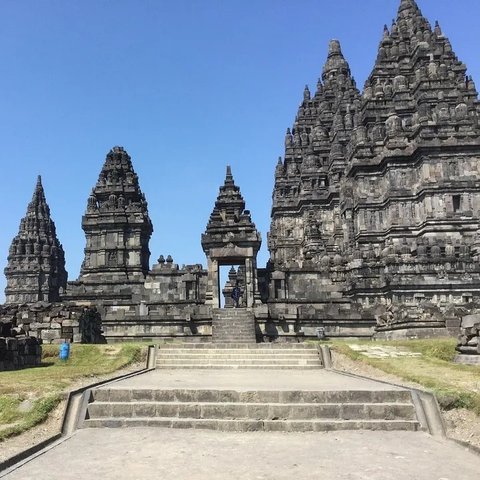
(252, 400)
(238, 355)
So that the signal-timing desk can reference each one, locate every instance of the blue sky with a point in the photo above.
(186, 86)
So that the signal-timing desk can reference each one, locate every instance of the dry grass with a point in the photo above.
(456, 386)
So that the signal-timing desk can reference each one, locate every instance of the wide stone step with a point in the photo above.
(254, 411)
(239, 361)
(255, 425)
(250, 396)
(241, 355)
(253, 346)
(233, 366)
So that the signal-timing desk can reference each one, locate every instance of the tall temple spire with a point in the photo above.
(116, 224)
(315, 156)
(36, 260)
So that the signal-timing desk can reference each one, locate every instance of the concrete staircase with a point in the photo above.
(231, 355)
(233, 325)
(230, 410)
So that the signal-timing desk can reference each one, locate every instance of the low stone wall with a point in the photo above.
(399, 322)
(18, 352)
(54, 322)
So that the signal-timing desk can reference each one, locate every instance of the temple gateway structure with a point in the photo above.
(375, 222)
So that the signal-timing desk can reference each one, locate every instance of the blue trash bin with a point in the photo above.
(64, 351)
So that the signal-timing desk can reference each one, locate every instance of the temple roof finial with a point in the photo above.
(334, 47)
(38, 194)
(306, 93)
(335, 60)
(228, 176)
(408, 7)
(404, 4)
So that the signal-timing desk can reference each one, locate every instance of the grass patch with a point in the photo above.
(27, 396)
(38, 414)
(455, 385)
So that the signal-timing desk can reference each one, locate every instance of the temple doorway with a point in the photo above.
(231, 276)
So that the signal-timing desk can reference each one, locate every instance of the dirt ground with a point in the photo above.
(461, 424)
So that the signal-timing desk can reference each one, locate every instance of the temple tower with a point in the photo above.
(36, 261)
(413, 163)
(116, 225)
(231, 238)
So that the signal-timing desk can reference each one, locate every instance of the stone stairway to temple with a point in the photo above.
(233, 325)
(242, 355)
(247, 388)
(260, 410)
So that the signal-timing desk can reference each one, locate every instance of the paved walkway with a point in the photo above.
(246, 380)
(145, 453)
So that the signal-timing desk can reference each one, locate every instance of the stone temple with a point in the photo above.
(375, 221)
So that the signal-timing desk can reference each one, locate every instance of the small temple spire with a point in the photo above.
(36, 262)
(229, 211)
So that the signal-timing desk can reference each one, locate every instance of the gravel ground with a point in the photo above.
(461, 424)
(14, 445)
